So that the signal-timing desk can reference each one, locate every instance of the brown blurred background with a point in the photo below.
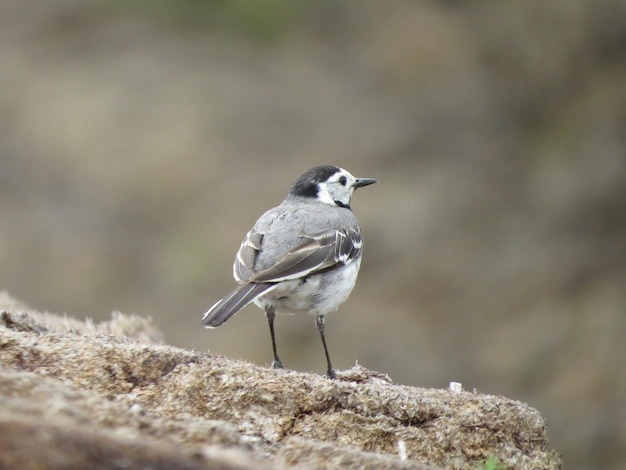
(139, 143)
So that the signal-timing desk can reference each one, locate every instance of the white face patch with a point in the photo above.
(338, 190)
(324, 195)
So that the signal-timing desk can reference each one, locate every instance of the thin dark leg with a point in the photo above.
(320, 320)
(270, 313)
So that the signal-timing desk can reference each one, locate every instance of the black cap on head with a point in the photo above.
(307, 184)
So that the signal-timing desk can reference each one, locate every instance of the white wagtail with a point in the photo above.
(301, 256)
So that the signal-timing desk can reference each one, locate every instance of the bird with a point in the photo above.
(301, 256)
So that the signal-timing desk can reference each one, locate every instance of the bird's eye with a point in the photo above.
(343, 181)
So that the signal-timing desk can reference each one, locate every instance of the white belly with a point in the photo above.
(318, 294)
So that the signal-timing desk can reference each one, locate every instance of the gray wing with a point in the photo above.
(311, 255)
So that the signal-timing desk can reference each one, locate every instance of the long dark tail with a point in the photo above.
(233, 302)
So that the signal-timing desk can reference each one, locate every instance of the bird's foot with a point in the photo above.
(277, 364)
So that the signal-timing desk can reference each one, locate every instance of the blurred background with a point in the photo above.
(139, 141)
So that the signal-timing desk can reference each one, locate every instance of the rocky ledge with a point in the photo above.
(76, 394)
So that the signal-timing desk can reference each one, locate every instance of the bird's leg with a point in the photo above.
(320, 320)
(270, 313)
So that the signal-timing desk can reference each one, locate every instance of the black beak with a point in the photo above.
(360, 182)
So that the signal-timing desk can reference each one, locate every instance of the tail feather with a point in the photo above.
(233, 302)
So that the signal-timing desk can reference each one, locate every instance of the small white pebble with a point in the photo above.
(402, 449)
(136, 408)
(456, 387)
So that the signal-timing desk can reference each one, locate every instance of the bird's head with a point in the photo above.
(328, 184)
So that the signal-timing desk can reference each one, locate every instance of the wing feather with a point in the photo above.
(243, 268)
(314, 254)
(298, 262)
